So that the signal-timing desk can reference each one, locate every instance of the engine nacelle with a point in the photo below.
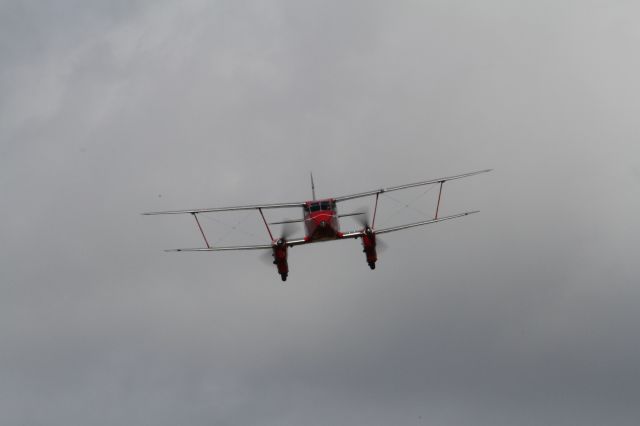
(369, 247)
(280, 258)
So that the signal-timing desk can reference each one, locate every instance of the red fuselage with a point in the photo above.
(321, 220)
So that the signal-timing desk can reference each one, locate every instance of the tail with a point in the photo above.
(313, 187)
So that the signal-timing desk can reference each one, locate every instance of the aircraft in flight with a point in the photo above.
(321, 222)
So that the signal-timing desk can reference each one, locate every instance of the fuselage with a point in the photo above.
(321, 220)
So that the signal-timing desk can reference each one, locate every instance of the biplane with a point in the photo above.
(321, 222)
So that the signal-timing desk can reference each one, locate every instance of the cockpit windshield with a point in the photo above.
(321, 206)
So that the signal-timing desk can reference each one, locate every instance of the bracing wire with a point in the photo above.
(407, 205)
(231, 228)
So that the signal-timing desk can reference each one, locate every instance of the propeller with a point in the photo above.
(286, 231)
(266, 257)
(363, 220)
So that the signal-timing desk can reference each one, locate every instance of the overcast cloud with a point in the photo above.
(525, 314)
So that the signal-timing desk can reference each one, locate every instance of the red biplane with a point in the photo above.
(320, 218)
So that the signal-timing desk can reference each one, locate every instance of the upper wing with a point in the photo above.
(409, 185)
(226, 209)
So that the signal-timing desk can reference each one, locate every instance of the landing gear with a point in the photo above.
(372, 265)
(283, 276)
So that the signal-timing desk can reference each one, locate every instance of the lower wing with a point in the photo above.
(352, 234)
(289, 243)
(357, 234)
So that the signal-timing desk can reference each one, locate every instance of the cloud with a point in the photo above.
(522, 314)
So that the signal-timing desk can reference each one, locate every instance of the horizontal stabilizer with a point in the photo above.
(302, 220)
(286, 221)
(350, 214)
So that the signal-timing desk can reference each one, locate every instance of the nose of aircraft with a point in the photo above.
(323, 226)
(322, 219)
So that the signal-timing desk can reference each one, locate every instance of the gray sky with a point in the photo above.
(524, 314)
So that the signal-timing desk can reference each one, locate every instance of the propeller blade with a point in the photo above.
(287, 230)
(381, 246)
(363, 218)
(266, 257)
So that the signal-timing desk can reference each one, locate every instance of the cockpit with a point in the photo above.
(317, 206)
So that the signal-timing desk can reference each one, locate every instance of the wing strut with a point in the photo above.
(375, 209)
(439, 196)
(265, 223)
(195, 216)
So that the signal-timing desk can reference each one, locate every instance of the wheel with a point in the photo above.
(283, 276)
(372, 265)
